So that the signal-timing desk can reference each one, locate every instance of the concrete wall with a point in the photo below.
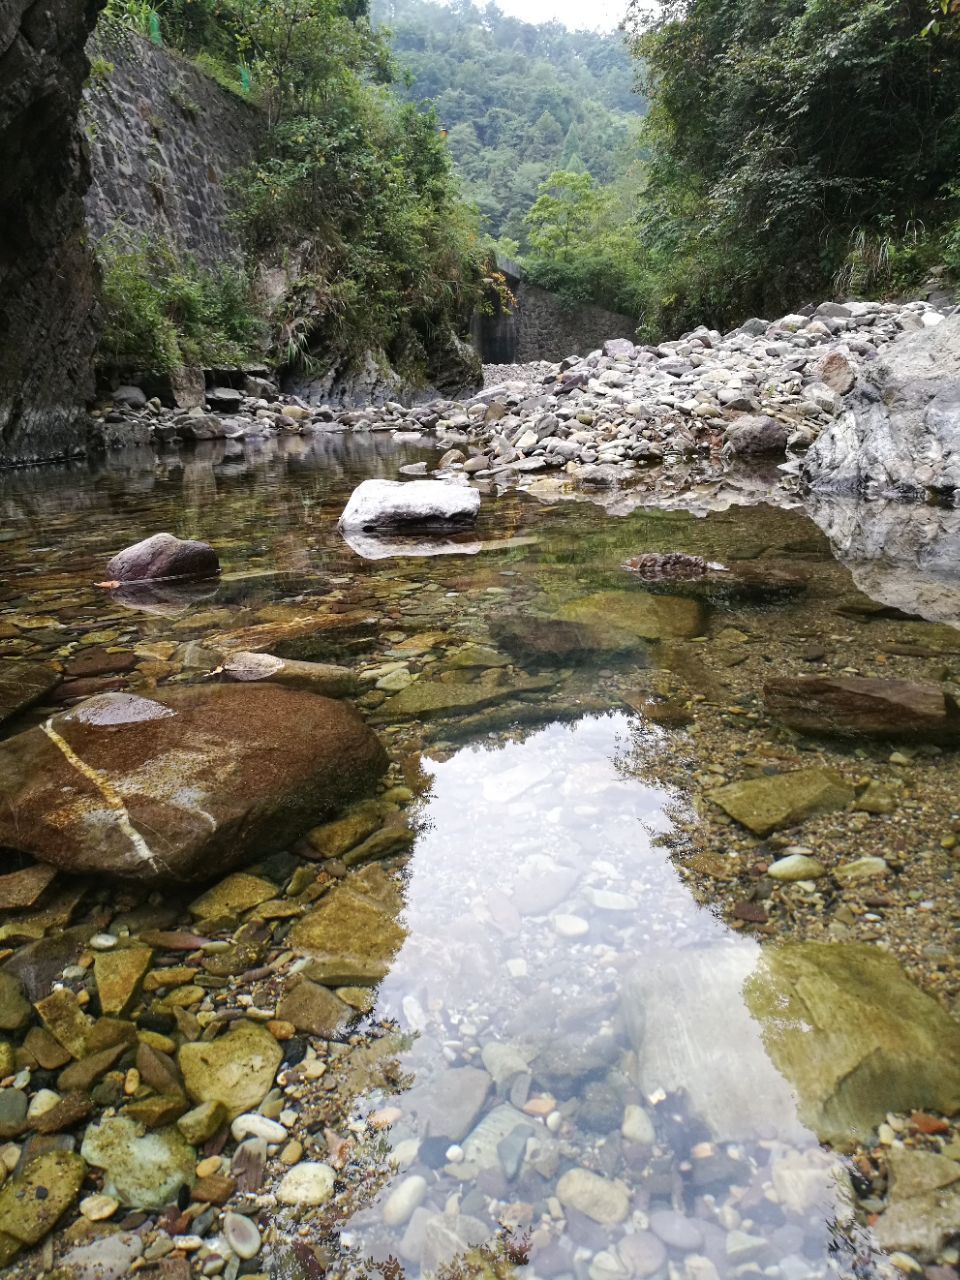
(163, 139)
(544, 327)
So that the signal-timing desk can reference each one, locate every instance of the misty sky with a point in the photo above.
(600, 15)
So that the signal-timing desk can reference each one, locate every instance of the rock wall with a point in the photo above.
(164, 139)
(544, 327)
(46, 273)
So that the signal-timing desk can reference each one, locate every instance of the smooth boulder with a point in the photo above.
(163, 556)
(416, 504)
(756, 433)
(183, 785)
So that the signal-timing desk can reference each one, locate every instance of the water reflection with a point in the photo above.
(588, 1084)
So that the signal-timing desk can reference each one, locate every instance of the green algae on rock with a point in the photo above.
(34, 1200)
(639, 614)
(184, 784)
(782, 799)
(237, 1069)
(437, 697)
(350, 938)
(853, 1036)
(142, 1170)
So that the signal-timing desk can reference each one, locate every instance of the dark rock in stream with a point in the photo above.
(185, 784)
(22, 684)
(857, 706)
(163, 556)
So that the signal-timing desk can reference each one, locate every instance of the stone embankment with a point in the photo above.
(766, 390)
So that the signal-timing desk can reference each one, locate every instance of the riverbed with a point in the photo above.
(586, 1052)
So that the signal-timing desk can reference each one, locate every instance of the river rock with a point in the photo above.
(183, 784)
(859, 706)
(118, 976)
(22, 684)
(242, 1235)
(403, 1200)
(309, 1183)
(312, 1008)
(163, 556)
(853, 1037)
(783, 799)
(237, 1069)
(438, 697)
(639, 614)
(413, 504)
(756, 433)
(350, 938)
(795, 866)
(553, 642)
(15, 1011)
(601, 1199)
(108, 1258)
(33, 1200)
(141, 1170)
(448, 1105)
(901, 436)
(316, 677)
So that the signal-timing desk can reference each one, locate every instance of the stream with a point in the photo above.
(603, 1043)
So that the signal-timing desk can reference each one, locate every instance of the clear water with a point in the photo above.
(549, 939)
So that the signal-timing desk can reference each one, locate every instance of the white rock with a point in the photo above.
(109, 1258)
(310, 1183)
(253, 1125)
(570, 926)
(607, 900)
(43, 1100)
(402, 1202)
(389, 504)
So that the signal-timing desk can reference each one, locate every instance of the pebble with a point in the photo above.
(637, 1126)
(97, 1208)
(570, 926)
(601, 1199)
(795, 866)
(676, 1230)
(242, 1235)
(310, 1183)
(402, 1202)
(253, 1125)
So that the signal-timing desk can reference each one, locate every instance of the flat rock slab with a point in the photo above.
(351, 938)
(316, 677)
(780, 800)
(857, 706)
(395, 504)
(638, 614)
(185, 784)
(853, 1037)
(22, 684)
(437, 697)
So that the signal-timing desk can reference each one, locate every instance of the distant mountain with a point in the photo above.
(518, 100)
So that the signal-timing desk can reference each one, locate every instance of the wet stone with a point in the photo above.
(142, 1170)
(307, 1184)
(22, 684)
(676, 1230)
(109, 1258)
(600, 1199)
(237, 1069)
(312, 1008)
(34, 1200)
(782, 800)
(233, 896)
(15, 1011)
(118, 975)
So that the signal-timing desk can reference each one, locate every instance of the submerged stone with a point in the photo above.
(33, 1201)
(853, 1036)
(639, 614)
(858, 706)
(237, 1069)
(350, 937)
(317, 677)
(142, 1170)
(601, 1199)
(551, 641)
(436, 697)
(118, 976)
(22, 684)
(183, 784)
(782, 799)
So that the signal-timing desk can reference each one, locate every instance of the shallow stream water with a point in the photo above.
(586, 1091)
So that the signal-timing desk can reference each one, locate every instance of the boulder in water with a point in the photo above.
(183, 785)
(163, 556)
(415, 504)
(859, 706)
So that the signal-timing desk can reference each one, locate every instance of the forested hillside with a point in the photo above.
(518, 100)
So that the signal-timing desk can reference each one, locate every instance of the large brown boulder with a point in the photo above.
(163, 556)
(184, 784)
(862, 706)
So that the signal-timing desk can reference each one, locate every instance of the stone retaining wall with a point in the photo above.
(545, 327)
(164, 139)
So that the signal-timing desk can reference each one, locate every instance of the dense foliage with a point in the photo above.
(518, 100)
(796, 147)
(354, 193)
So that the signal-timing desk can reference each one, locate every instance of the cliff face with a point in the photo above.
(46, 272)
